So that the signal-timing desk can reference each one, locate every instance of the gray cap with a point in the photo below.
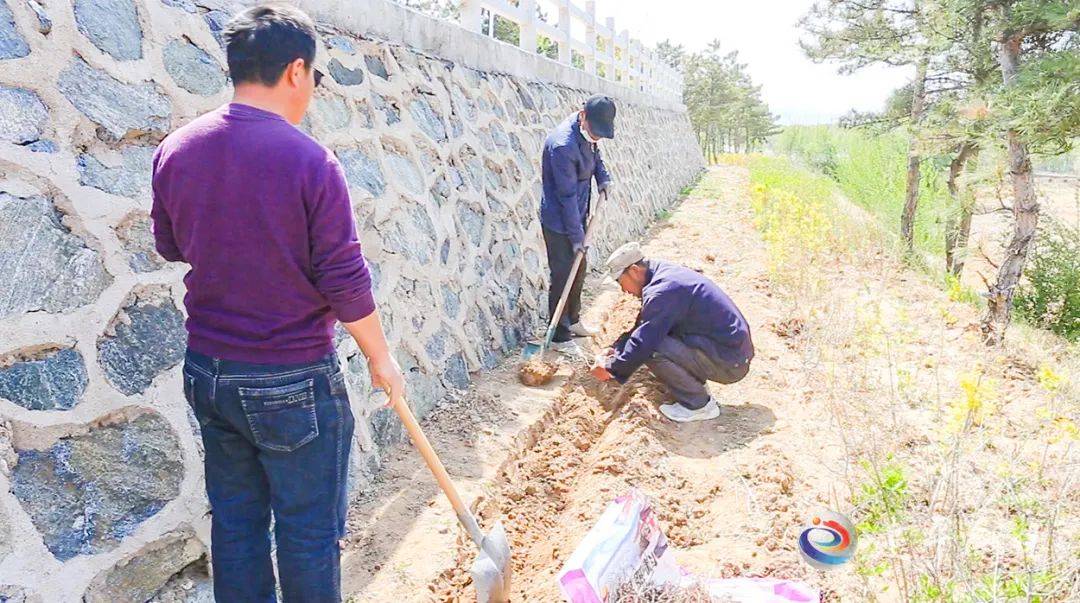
(623, 258)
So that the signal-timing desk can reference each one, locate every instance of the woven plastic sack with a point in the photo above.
(627, 541)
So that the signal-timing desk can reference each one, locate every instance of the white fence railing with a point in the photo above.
(603, 52)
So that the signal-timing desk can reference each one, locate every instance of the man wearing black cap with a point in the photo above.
(571, 160)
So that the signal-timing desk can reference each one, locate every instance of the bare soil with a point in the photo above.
(733, 493)
(537, 372)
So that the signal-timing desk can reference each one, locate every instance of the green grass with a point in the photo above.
(871, 170)
(777, 173)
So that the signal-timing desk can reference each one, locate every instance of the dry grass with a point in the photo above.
(637, 588)
(959, 461)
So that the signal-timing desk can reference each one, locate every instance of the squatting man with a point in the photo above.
(688, 332)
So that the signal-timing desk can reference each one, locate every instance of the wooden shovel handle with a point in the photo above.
(435, 465)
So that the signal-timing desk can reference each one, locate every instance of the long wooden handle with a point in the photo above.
(441, 476)
(557, 315)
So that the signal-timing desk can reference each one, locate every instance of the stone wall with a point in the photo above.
(100, 476)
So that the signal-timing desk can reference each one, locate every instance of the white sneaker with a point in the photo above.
(681, 414)
(580, 329)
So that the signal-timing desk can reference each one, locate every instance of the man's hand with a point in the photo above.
(598, 369)
(385, 372)
(606, 188)
(580, 247)
(386, 375)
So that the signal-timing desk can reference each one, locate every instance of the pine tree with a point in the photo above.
(1037, 106)
(725, 107)
(859, 33)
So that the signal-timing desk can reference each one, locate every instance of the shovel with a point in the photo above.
(491, 569)
(537, 350)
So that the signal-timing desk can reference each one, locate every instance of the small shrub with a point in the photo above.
(974, 406)
(795, 211)
(958, 292)
(1050, 296)
(882, 499)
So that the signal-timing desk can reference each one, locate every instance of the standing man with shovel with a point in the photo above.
(261, 214)
(570, 162)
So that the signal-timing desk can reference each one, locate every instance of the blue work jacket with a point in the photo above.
(569, 164)
(679, 302)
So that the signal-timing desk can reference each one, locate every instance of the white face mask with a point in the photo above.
(585, 134)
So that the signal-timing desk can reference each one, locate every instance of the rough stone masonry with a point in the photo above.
(100, 478)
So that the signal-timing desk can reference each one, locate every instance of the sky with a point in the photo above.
(766, 34)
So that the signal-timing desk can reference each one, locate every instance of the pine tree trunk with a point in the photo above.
(914, 176)
(958, 231)
(1025, 213)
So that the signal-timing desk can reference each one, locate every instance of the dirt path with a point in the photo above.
(725, 489)
(732, 494)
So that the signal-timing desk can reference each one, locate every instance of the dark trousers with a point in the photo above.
(684, 369)
(277, 441)
(560, 252)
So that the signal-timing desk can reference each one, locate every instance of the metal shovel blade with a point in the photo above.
(491, 570)
(531, 349)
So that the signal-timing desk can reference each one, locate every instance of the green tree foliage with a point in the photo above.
(442, 9)
(547, 47)
(671, 53)
(577, 59)
(859, 33)
(505, 30)
(1050, 297)
(998, 75)
(725, 107)
(1034, 106)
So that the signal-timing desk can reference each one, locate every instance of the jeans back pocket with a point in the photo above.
(189, 386)
(281, 418)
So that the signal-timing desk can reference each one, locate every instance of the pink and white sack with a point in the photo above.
(627, 541)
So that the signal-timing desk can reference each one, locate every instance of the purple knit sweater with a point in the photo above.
(261, 213)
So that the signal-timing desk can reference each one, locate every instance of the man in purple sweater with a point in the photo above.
(261, 213)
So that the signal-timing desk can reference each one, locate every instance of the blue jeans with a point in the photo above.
(277, 439)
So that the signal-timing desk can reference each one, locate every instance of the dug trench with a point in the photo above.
(725, 490)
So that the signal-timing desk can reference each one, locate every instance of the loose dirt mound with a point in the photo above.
(598, 441)
(537, 372)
